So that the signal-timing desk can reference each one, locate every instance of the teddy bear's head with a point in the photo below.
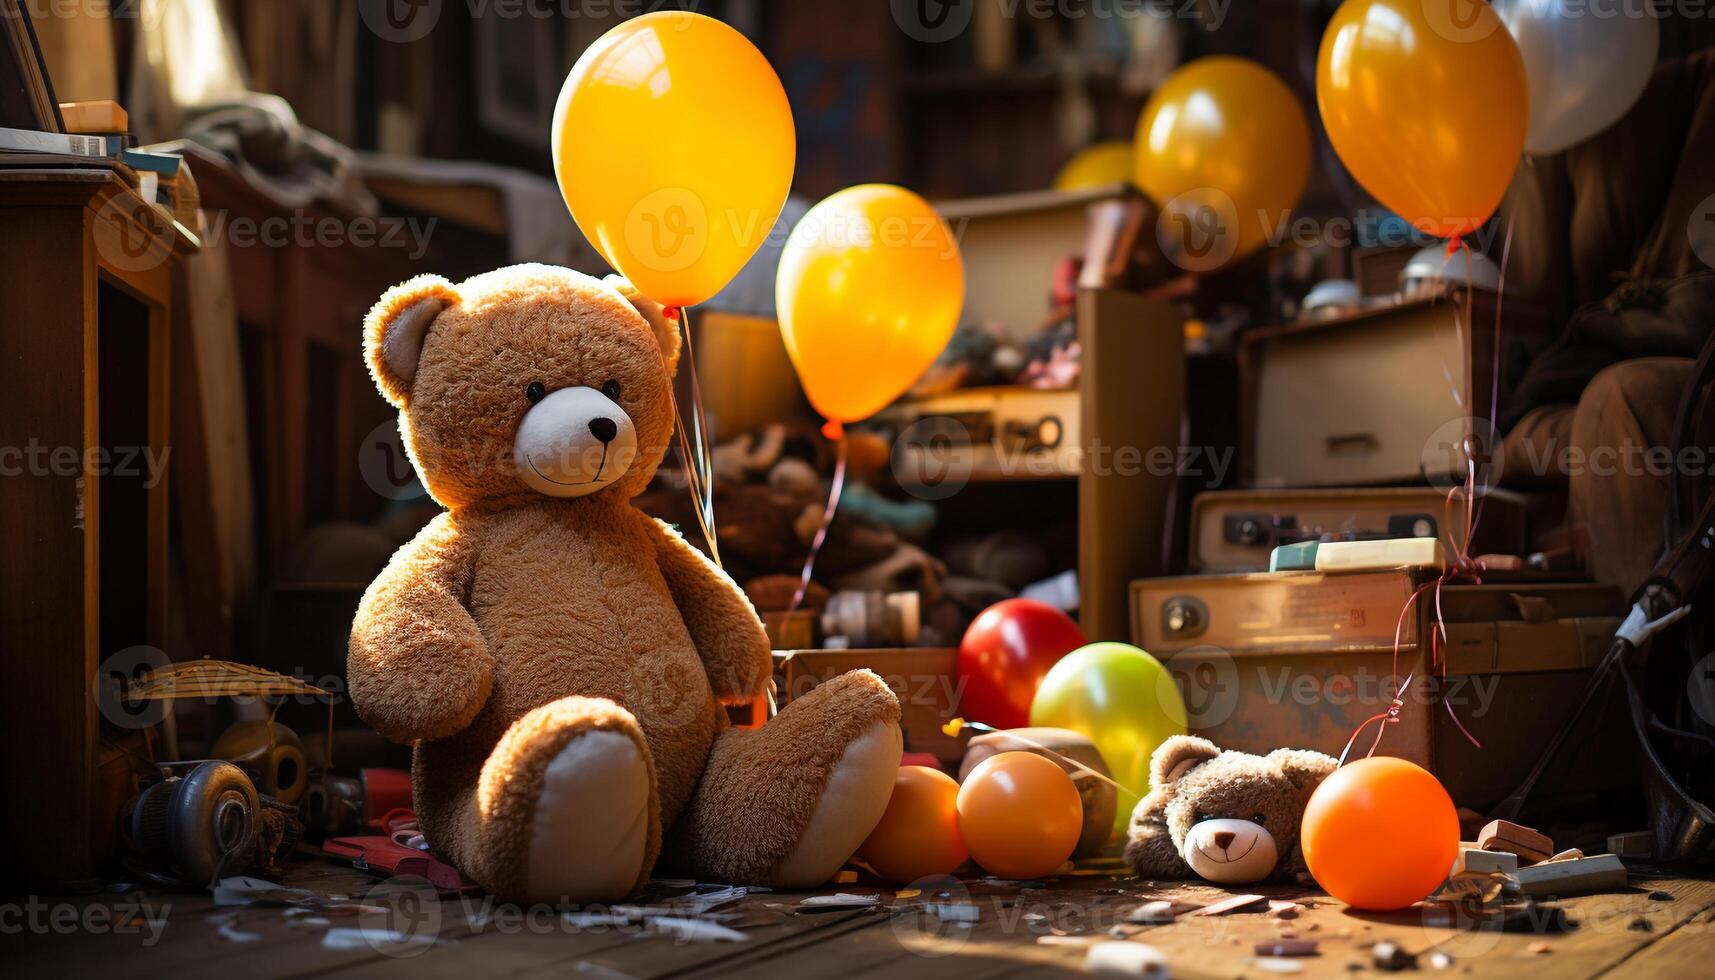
(525, 382)
(1233, 816)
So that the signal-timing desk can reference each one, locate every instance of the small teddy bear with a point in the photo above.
(1227, 817)
(559, 659)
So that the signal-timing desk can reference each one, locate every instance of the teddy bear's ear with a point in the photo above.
(1178, 756)
(666, 330)
(1305, 768)
(394, 330)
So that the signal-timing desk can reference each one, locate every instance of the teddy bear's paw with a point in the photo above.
(857, 792)
(590, 830)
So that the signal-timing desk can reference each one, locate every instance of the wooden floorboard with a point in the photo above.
(1661, 927)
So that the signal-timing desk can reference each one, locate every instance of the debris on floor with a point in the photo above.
(1530, 845)
(1126, 959)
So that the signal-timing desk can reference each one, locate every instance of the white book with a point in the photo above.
(31, 141)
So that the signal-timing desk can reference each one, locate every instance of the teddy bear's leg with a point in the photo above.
(566, 807)
(787, 804)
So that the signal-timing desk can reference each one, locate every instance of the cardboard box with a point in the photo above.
(926, 679)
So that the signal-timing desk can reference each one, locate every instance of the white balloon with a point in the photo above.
(1587, 63)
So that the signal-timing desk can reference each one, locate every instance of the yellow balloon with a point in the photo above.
(1095, 166)
(1124, 701)
(869, 290)
(674, 147)
(1224, 149)
(1426, 103)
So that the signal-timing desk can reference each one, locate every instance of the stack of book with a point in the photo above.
(38, 131)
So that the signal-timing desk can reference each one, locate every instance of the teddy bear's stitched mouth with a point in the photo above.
(579, 483)
(1229, 859)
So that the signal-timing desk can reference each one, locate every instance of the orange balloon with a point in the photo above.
(674, 147)
(918, 836)
(1380, 833)
(1426, 103)
(1224, 148)
(869, 290)
(1020, 815)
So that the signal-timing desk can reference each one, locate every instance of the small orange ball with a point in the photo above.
(918, 836)
(1020, 815)
(1380, 833)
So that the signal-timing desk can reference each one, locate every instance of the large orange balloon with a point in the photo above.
(1426, 102)
(1020, 815)
(918, 836)
(1223, 147)
(1380, 833)
(674, 147)
(869, 290)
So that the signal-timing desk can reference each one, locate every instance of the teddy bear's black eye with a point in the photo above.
(536, 391)
(1202, 817)
(610, 389)
(1258, 818)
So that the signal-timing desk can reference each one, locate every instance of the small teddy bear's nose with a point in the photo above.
(1223, 839)
(603, 429)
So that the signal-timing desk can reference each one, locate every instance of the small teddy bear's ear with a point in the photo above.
(1305, 768)
(394, 330)
(666, 330)
(1178, 756)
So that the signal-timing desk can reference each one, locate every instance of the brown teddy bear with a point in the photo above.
(1228, 817)
(559, 659)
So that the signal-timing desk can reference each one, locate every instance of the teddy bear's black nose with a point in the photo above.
(1223, 839)
(603, 429)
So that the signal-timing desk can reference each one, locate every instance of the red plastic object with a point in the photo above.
(384, 790)
(1006, 652)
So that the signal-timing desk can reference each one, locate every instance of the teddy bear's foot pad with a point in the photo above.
(858, 789)
(591, 826)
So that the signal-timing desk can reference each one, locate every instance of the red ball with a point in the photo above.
(1009, 648)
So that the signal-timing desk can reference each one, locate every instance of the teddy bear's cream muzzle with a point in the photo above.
(573, 443)
(1230, 851)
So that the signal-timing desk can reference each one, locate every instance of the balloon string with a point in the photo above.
(835, 488)
(700, 487)
(700, 428)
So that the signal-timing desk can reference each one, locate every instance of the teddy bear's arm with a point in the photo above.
(418, 666)
(1149, 847)
(723, 624)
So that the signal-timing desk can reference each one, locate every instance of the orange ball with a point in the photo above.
(918, 836)
(1380, 833)
(1020, 815)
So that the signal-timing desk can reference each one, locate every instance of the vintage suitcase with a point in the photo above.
(1234, 530)
(1303, 659)
(1313, 393)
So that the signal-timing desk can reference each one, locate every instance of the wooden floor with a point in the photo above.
(1664, 926)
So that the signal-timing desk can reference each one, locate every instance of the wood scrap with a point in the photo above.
(1582, 876)
(1530, 845)
(1238, 903)
(1475, 860)
(1632, 844)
